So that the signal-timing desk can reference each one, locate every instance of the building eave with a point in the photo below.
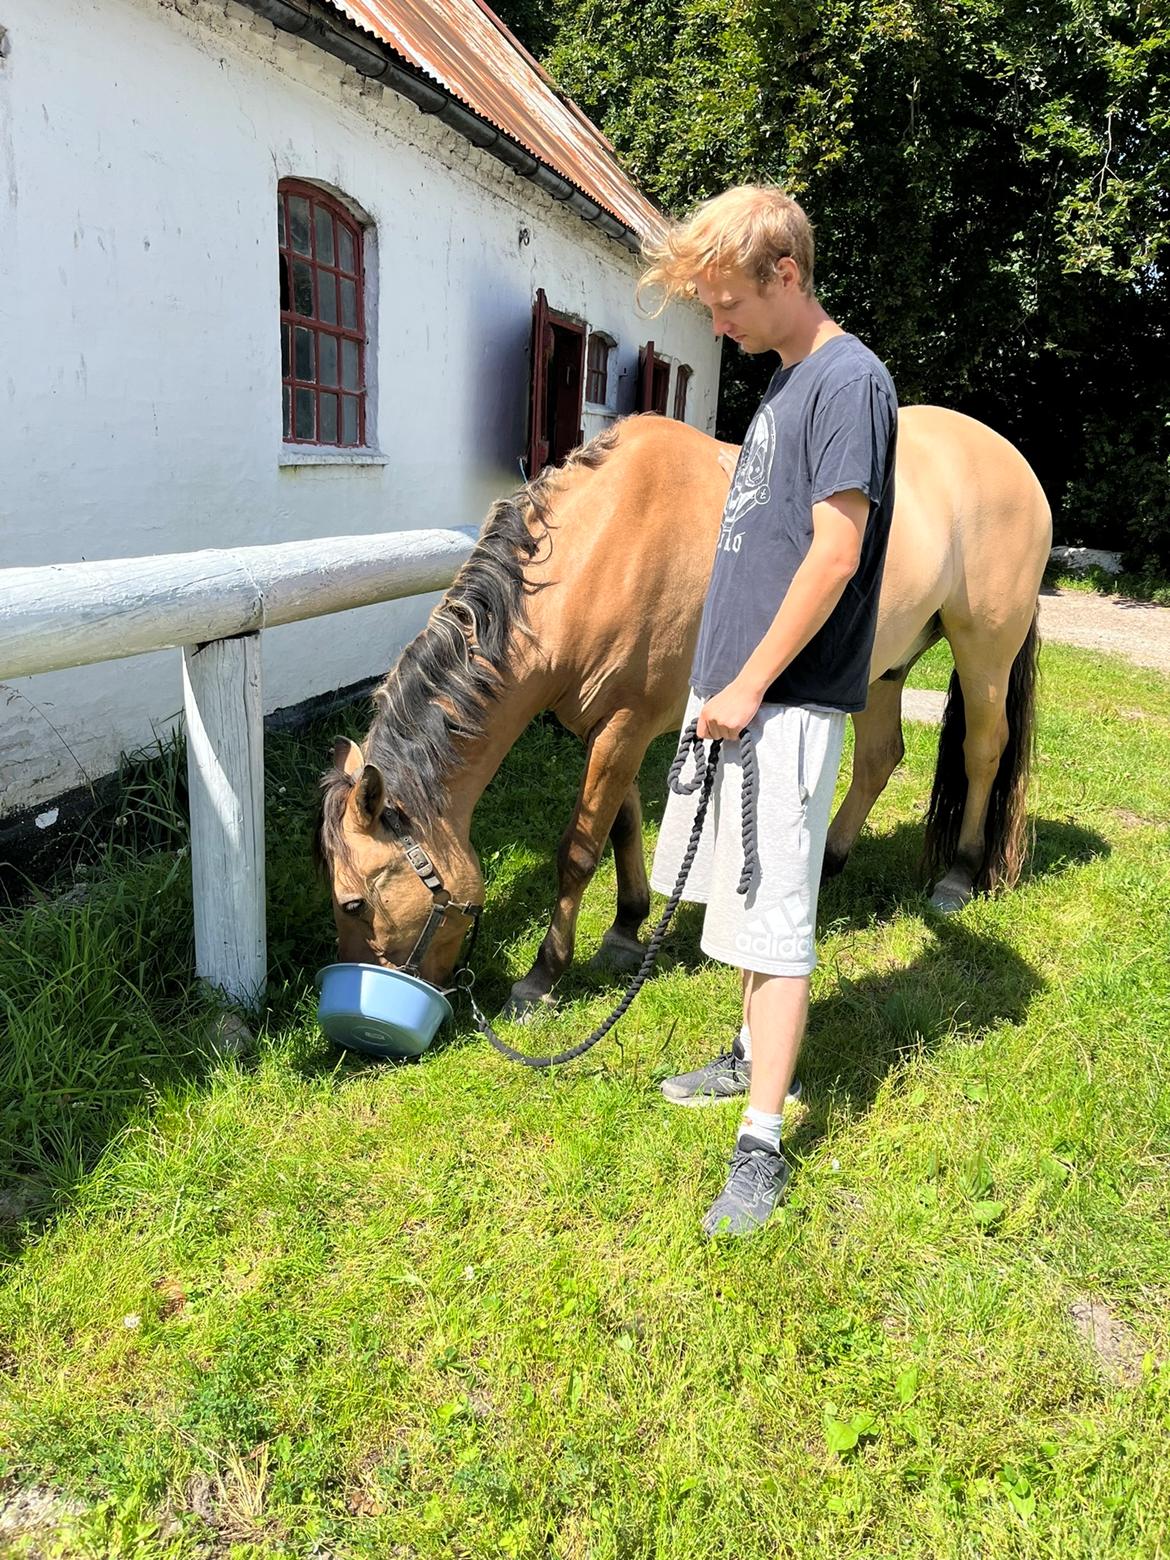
(318, 23)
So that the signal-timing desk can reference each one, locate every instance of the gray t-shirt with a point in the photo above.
(827, 424)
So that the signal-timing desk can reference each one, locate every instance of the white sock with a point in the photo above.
(760, 1124)
(745, 1040)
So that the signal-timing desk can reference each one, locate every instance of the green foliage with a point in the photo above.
(988, 181)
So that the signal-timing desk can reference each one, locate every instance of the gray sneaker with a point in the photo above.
(726, 1077)
(755, 1184)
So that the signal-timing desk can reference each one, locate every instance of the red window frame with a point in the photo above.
(322, 319)
(597, 368)
(681, 385)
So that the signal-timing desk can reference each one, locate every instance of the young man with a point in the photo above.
(784, 645)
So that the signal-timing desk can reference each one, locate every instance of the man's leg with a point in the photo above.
(728, 1076)
(777, 1011)
(797, 754)
(777, 1007)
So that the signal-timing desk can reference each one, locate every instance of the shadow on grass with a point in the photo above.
(962, 985)
(102, 1012)
(100, 1016)
(880, 882)
(964, 973)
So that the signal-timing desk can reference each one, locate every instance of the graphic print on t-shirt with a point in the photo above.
(750, 487)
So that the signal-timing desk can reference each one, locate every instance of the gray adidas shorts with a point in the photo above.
(771, 929)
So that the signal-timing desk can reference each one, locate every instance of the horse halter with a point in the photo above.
(441, 905)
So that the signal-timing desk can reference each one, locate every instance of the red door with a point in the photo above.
(645, 401)
(653, 381)
(542, 348)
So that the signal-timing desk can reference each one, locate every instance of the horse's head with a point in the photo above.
(384, 886)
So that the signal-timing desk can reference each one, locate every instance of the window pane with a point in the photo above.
(345, 254)
(324, 235)
(280, 219)
(349, 304)
(327, 359)
(304, 353)
(287, 401)
(303, 288)
(328, 419)
(298, 214)
(305, 400)
(598, 364)
(327, 293)
(284, 351)
(285, 296)
(349, 365)
(349, 419)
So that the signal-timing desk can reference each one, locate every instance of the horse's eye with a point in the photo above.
(354, 906)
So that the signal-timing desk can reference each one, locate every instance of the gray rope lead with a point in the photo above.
(748, 793)
(690, 742)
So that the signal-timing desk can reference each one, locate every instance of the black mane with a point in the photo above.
(459, 658)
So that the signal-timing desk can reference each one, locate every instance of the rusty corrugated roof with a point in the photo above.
(465, 48)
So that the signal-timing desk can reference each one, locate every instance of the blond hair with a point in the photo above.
(749, 227)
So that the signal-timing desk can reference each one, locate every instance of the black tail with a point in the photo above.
(1005, 834)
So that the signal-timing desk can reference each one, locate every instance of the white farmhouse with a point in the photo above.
(285, 269)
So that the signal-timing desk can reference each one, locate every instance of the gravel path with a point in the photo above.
(1137, 629)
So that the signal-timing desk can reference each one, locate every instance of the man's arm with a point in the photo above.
(817, 586)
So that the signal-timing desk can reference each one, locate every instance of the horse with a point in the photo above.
(583, 596)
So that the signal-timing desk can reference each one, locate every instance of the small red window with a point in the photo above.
(596, 379)
(322, 319)
(681, 384)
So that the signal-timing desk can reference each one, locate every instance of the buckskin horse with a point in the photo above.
(583, 596)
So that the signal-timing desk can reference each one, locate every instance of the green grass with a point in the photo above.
(297, 1304)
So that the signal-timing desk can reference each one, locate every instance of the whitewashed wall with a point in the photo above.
(140, 150)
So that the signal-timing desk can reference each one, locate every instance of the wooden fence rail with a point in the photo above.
(213, 605)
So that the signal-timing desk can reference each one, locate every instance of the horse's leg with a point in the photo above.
(983, 668)
(877, 752)
(614, 753)
(620, 947)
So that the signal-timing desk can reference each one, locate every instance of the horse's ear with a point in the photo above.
(370, 796)
(347, 756)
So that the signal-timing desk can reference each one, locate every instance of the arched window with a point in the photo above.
(322, 319)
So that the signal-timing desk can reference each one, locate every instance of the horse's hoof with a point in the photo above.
(617, 953)
(950, 897)
(832, 864)
(521, 1008)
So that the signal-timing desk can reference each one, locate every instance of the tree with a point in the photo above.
(989, 180)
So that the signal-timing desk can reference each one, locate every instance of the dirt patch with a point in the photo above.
(36, 1516)
(1114, 1342)
(18, 1203)
(1132, 820)
(1139, 630)
(172, 1297)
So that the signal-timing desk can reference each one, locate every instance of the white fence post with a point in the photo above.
(60, 615)
(224, 711)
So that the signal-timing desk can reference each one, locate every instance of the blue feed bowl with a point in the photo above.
(380, 1011)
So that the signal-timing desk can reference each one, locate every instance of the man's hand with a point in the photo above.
(726, 714)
